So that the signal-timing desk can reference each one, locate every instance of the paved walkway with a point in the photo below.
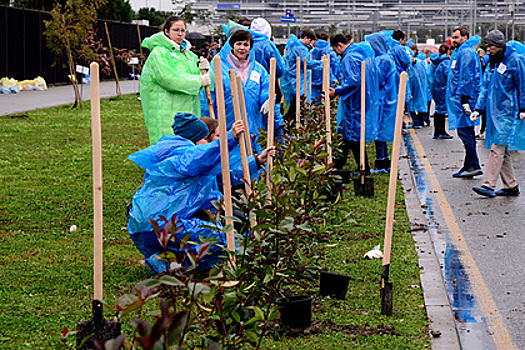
(60, 95)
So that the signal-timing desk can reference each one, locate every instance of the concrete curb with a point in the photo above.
(439, 312)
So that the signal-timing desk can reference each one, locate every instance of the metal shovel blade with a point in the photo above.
(364, 186)
(96, 329)
(387, 298)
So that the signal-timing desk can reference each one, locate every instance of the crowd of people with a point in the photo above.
(183, 161)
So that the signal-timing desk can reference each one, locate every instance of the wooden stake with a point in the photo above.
(271, 115)
(208, 94)
(113, 60)
(326, 89)
(225, 160)
(305, 79)
(248, 139)
(97, 180)
(386, 286)
(298, 92)
(394, 167)
(242, 141)
(363, 124)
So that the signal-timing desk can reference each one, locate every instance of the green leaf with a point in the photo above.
(170, 281)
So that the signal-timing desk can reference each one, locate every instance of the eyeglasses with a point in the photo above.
(180, 31)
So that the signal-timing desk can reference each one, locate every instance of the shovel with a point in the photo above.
(386, 286)
(326, 86)
(363, 186)
(225, 160)
(244, 117)
(97, 328)
(208, 93)
(271, 116)
(242, 142)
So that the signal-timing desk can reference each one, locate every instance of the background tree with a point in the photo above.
(116, 10)
(67, 34)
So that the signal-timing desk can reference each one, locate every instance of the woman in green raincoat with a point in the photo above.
(171, 79)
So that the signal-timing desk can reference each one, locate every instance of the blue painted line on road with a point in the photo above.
(457, 283)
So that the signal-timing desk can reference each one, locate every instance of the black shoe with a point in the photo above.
(443, 137)
(508, 192)
(467, 174)
(484, 191)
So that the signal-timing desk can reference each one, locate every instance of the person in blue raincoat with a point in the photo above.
(401, 57)
(322, 47)
(502, 99)
(440, 63)
(236, 55)
(463, 86)
(417, 78)
(264, 50)
(388, 89)
(297, 47)
(181, 179)
(350, 97)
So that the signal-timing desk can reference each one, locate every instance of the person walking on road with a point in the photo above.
(463, 86)
(171, 79)
(502, 99)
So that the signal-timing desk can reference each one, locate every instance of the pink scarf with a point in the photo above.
(241, 69)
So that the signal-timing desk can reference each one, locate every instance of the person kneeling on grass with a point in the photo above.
(181, 179)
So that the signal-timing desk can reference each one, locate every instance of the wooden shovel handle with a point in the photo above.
(225, 160)
(393, 169)
(97, 181)
(298, 92)
(326, 89)
(242, 142)
(208, 94)
(244, 116)
(363, 122)
(271, 118)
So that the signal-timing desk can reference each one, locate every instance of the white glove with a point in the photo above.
(375, 253)
(205, 79)
(474, 116)
(522, 115)
(466, 107)
(265, 107)
(204, 64)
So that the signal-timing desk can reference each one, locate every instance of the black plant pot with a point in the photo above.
(333, 189)
(333, 284)
(296, 312)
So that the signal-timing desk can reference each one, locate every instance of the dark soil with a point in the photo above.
(318, 327)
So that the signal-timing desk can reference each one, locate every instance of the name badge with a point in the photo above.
(453, 65)
(256, 77)
(502, 68)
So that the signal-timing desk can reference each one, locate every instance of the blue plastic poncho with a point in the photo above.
(417, 77)
(295, 48)
(439, 81)
(349, 112)
(464, 79)
(322, 47)
(388, 88)
(180, 178)
(403, 63)
(502, 97)
(263, 50)
(431, 71)
(256, 92)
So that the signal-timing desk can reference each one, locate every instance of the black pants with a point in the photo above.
(439, 124)
(354, 147)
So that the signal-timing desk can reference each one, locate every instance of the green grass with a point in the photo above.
(46, 270)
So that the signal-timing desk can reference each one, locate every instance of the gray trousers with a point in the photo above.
(500, 164)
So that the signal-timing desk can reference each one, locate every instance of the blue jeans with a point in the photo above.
(468, 137)
(381, 150)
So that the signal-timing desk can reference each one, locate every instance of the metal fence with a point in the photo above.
(25, 55)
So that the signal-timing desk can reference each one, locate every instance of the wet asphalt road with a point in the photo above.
(493, 230)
